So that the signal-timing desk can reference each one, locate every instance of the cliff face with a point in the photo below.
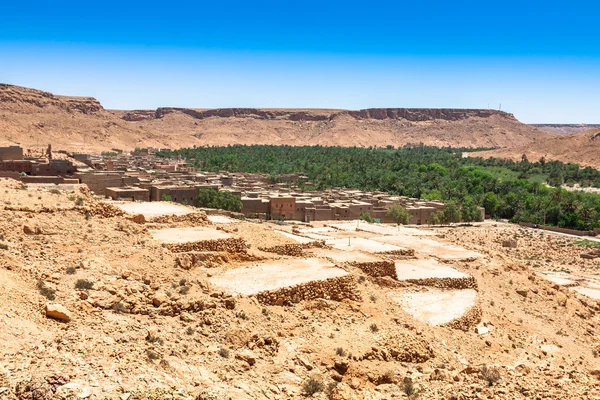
(34, 118)
(565, 129)
(409, 114)
(16, 97)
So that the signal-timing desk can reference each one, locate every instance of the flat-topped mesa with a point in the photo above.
(409, 114)
(19, 96)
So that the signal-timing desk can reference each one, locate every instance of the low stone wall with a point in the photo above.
(401, 252)
(467, 282)
(229, 245)
(294, 249)
(467, 321)
(377, 268)
(559, 230)
(194, 218)
(404, 348)
(337, 289)
(210, 259)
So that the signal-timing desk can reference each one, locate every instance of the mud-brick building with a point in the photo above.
(128, 193)
(283, 207)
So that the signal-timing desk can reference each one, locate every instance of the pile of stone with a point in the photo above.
(100, 209)
(467, 321)
(377, 268)
(337, 289)
(406, 348)
(591, 255)
(229, 245)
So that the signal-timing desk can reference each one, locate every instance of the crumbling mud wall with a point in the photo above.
(401, 252)
(337, 289)
(230, 245)
(294, 249)
(468, 282)
(377, 269)
(467, 321)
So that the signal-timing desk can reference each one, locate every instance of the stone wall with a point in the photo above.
(294, 249)
(467, 282)
(467, 321)
(230, 245)
(337, 289)
(194, 218)
(377, 268)
(210, 259)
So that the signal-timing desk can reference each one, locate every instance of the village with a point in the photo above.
(143, 176)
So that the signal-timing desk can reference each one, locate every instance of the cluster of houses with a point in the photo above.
(142, 176)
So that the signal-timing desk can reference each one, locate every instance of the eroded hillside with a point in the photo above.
(101, 304)
(34, 118)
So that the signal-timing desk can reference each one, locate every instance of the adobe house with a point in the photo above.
(283, 207)
(11, 153)
(127, 193)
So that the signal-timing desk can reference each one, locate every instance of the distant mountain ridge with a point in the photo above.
(565, 129)
(32, 117)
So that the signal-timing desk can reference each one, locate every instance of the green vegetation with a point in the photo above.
(222, 200)
(109, 154)
(399, 214)
(166, 197)
(367, 217)
(507, 189)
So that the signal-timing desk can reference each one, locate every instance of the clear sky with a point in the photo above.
(539, 59)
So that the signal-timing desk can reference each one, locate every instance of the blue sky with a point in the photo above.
(540, 60)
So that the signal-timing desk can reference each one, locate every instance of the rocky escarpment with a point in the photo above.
(409, 114)
(565, 129)
(11, 95)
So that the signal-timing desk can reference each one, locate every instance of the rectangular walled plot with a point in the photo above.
(361, 244)
(153, 209)
(437, 307)
(186, 235)
(256, 278)
(297, 238)
(222, 219)
(342, 257)
(430, 272)
(430, 247)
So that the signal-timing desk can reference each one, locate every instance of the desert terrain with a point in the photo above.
(33, 118)
(100, 303)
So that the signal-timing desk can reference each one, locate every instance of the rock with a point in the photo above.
(125, 274)
(58, 312)
(230, 303)
(246, 356)
(523, 291)
(139, 219)
(482, 330)
(304, 362)
(341, 366)
(159, 299)
(561, 299)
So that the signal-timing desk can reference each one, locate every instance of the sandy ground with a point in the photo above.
(256, 278)
(435, 306)
(425, 268)
(361, 244)
(297, 238)
(153, 209)
(221, 219)
(184, 235)
(341, 256)
(430, 247)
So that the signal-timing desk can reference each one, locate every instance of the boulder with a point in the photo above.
(58, 312)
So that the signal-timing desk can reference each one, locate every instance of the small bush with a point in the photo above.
(190, 331)
(361, 279)
(223, 352)
(265, 312)
(45, 290)
(119, 308)
(373, 298)
(184, 290)
(312, 386)
(84, 284)
(152, 355)
(340, 352)
(154, 339)
(409, 389)
(71, 270)
(490, 374)
(374, 328)
(79, 201)
(54, 191)
(3, 246)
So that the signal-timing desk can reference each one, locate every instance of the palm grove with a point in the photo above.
(519, 191)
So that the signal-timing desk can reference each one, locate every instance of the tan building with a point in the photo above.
(283, 207)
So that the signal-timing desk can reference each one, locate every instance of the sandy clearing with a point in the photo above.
(341, 256)
(430, 247)
(426, 268)
(299, 239)
(436, 306)
(256, 278)
(184, 235)
(362, 244)
(221, 219)
(152, 209)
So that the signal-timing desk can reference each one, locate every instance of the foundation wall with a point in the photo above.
(337, 289)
